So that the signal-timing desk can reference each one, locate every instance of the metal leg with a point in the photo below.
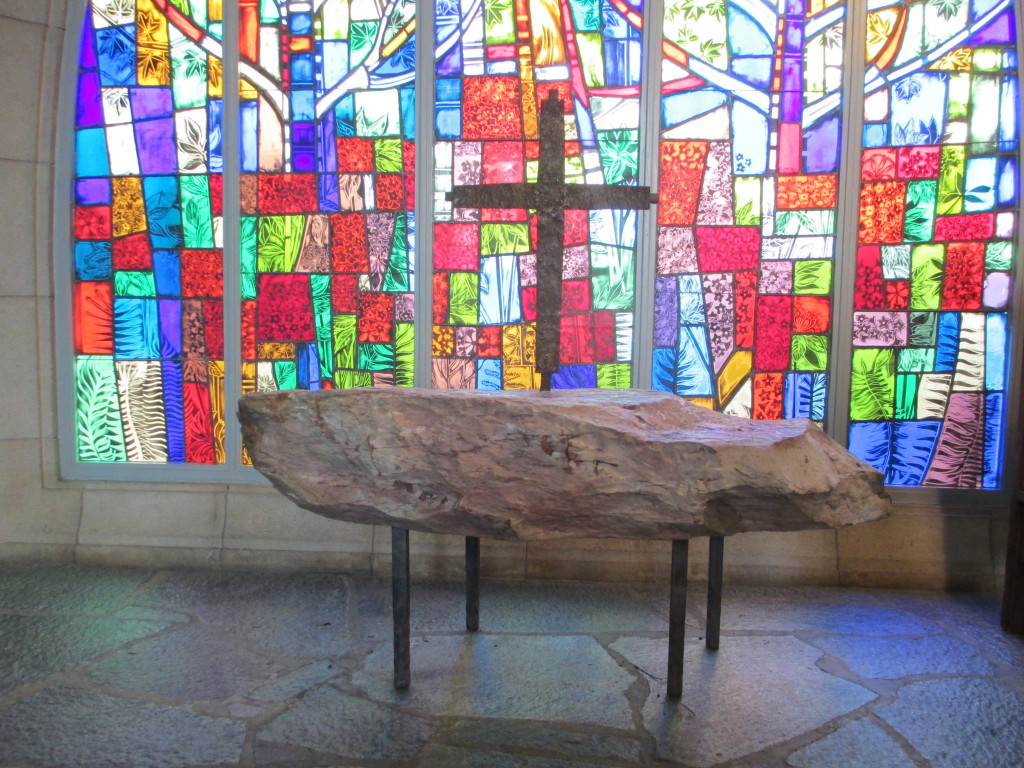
(400, 603)
(716, 558)
(472, 583)
(677, 617)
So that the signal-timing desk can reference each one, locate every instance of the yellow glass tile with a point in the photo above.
(734, 372)
(276, 350)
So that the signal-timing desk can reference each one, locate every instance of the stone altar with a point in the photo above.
(520, 465)
(544, 465)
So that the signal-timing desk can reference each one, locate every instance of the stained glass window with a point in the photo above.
(938, 225)
(147, 283)
(750, 142)
(327, 197)
(497, 60)
(747, 262)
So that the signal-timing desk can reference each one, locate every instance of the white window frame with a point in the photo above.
(844, 259)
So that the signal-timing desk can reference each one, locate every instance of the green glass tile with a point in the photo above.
(919, 213)
(286, 374)
(872, 385)
(280, 240)
(376, 357)
(404, 354)
(196, 216)
(613, 376)
(396, 277)
(926, 267)
(812, 277)
(362, 35)
(809, 352)
(99, 435)
(999, 255)
(134, 284)
(387, 155)
(334, 19)
(619, 154)
(502, 238)
(906, 397)
(499, 21)
(958, 95)
(188, 83)
(464, 302)
(350, 379)
(917, 359)
(591, 47)
(586, 14)
(612, 277)
(987, 59)
(344, 328)
(923, 330)
(951, 181)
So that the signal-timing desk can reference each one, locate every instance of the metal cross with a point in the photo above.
(550, 196)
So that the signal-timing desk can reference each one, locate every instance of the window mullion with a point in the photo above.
(232, 234)
(647, 223)
(847, 222)
(423, 264)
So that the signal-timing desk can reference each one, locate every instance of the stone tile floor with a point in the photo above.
(112, 667)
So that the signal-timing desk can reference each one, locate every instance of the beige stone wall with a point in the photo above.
(44, 518)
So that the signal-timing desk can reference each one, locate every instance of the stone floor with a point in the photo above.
(195, 668)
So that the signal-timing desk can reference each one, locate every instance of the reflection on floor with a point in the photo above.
(207, 668)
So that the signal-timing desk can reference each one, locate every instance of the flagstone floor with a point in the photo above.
(111, 667)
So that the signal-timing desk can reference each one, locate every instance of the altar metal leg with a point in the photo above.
(400, 603)
(677, 617)
(472, 583)
(716, 558)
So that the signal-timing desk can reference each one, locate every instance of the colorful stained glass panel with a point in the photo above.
(147, 289)
(327, 195)
(749, 153)
(496, 61)
(938, 218)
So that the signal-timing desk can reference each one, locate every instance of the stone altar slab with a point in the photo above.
(546, 465)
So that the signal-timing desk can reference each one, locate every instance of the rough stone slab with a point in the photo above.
(546, 465)
(861, 743)
(771, 609)
(33, 648)
(889, 658)
(960, 722)
(310, 609)
(186, 664)
(540, 737)
(754, 693)
(67, 588)
(294, 683)
(85, 729)
(329, 721)
(553, 679)
(443, 756)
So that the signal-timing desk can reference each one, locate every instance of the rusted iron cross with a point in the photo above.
(550, 197)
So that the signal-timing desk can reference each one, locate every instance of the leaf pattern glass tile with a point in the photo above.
(496, 61)
(749, 154)
(148, 370)
(327, 197)
(935, 256)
